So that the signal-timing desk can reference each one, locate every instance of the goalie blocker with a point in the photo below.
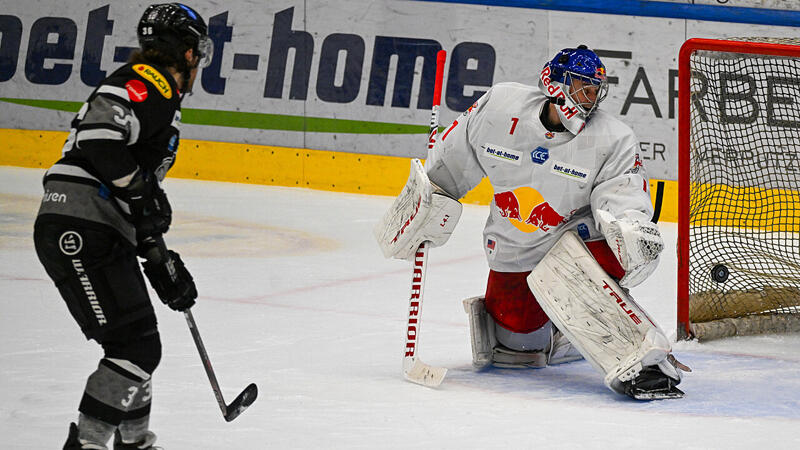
(422, 212)
(604, 323)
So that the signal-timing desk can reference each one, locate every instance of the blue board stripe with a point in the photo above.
(715, 13)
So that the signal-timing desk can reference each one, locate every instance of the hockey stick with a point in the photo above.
(414, 369)
(157, 252)
(243, 400)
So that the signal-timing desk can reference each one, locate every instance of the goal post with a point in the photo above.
(738, 187)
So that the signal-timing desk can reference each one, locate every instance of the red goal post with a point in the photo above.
(738, 203)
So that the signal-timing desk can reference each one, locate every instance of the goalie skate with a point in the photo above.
(652, 384)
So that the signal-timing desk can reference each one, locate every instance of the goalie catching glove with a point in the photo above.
(636, 244)
(422, 212)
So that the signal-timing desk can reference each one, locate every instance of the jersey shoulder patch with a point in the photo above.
(149, 73)
(137, 91)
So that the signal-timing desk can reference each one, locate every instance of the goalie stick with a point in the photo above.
(414, 369)
(243, 400)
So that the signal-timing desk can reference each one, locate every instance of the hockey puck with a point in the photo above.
(720, 273)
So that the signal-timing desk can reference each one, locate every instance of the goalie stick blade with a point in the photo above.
(418, 372)
(242, 402)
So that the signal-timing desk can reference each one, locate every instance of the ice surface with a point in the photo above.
(296, 297)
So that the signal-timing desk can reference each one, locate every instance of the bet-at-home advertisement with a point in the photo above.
(347, 75)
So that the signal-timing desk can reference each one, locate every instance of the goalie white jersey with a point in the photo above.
(544, 182)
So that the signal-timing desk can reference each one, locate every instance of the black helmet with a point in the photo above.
(174, 28)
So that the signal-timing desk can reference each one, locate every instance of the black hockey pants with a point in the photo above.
(98, 276)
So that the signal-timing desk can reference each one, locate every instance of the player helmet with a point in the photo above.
(174, 28)
(575, 80)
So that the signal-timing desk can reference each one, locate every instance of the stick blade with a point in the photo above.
(242, 402)
(418, 372)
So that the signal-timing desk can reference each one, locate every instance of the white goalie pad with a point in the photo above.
(481, 332)
(597, 316)
(420, 213)
(486, 351)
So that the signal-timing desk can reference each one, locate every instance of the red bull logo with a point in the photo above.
(527, 210)
(600, 74)
(637, 162)
(637, 165)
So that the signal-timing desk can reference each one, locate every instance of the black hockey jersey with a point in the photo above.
(129, 123)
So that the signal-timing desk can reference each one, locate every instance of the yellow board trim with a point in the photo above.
(153, 76)
(770, 210)
(269, 165)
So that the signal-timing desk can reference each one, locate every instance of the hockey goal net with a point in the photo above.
(739, 187)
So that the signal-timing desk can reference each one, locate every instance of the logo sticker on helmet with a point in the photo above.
(153, 76)
(137, 91)
(188, 11)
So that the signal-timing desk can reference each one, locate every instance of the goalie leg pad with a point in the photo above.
(481, 331)
(522, 350)
(597, 316)
(507, 358)
(561, 350)
(537, 340)
(510, 350)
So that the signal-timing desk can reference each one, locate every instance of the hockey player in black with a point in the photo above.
(104, 205)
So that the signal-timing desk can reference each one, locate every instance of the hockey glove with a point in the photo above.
(421, 212)
(170, 279)
(151, 213)
(636, 244)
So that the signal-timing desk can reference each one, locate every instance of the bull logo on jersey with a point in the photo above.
(527, 210)
(637, 165)
(153, 76)
(469, 110)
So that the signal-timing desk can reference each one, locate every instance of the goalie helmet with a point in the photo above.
(575, 81)
(174, 28)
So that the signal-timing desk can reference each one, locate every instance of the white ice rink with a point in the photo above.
(296, 297)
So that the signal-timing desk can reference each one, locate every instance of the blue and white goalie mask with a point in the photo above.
(575, 81)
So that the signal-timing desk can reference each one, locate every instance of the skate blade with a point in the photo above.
(657, 395)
